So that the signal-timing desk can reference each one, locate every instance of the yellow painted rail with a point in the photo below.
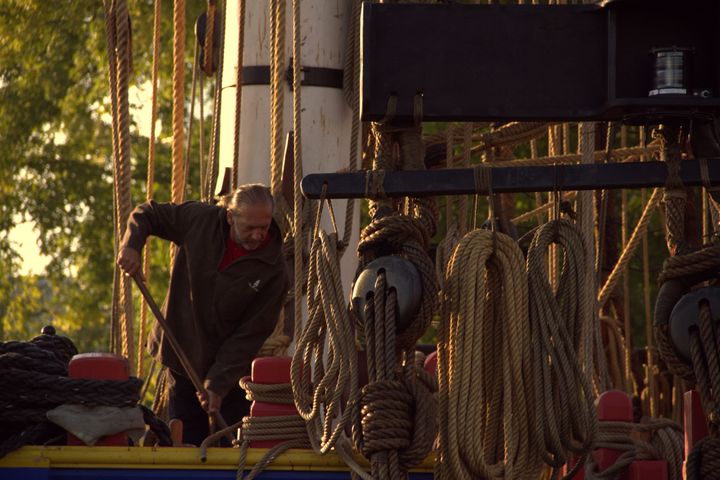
(172, 458)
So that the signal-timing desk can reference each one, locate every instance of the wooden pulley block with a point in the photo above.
(401, 276)
(686, 315)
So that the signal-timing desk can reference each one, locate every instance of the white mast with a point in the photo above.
(326, 116)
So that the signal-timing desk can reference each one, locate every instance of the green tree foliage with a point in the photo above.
(55, 159)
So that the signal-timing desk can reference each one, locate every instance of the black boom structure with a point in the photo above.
(534, 62)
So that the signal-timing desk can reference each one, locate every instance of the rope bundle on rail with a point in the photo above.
(35, 380)
(22, 415)
(560, 333)
(289, 428)
(658, 439)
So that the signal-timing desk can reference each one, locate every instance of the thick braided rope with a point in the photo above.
(290, 428)
(627, 253)
(703, 260)
(286, 429)
(297, 218)
(320, 380)
(117, 22)
(213, 160)
(674, 198)
(594, 358)
(407, 236)
(34, 382)
(209, 38)
(277, 95)
(703, 463)
(238, 93)
(178, 101)
(484, 354)
(112, 80)
(462, 216)
(351, 88)
(452, 230)
(704, 460)
(149, 185)
(566, 419)
(664, 442)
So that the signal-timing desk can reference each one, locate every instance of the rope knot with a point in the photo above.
(386, 416)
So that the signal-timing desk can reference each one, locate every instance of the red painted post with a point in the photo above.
(99, 366)
(612, 406)
(615, 405)
(695, 422)
(270, 371)
(430, 364)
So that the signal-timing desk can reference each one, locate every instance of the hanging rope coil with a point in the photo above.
(664, 441)
(483, 354)
(319, 383)
(566, 420)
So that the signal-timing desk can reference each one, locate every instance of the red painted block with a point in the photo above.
(99, 366)
(430, 365)
(271, 370)
(615, 405)
(265, 409)
(612, 405)
(646, 469)
(694, 420)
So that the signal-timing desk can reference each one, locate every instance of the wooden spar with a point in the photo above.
(462, 181)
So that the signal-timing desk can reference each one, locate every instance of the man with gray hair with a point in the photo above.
(227, 285)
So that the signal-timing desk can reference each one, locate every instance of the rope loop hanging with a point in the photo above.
(566, 420)
(484, 354)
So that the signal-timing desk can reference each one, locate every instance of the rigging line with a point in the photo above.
(238, 93)
(150, 174)
(298, 276)
(178, 101)
(212, 161)
(191, 119)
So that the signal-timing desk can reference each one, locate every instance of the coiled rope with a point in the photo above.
(566, 419)
(35, 380)
(664, 442)
(484, 318)
(289, 428)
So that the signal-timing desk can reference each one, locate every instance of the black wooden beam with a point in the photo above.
(460, 181)
(505, 62)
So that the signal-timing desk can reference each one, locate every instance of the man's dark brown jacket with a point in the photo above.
(220, 319)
